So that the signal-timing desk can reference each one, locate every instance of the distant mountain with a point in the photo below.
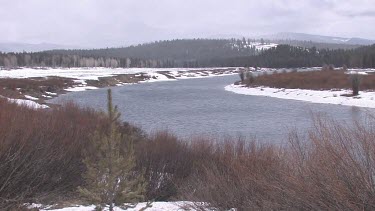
(20, 47)
(317, 38)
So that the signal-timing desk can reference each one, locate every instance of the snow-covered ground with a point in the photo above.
(155, 206)
(265, 46)
(80, 75)
(257, 45)
(364, 99)
(27, 103)
(92, 73)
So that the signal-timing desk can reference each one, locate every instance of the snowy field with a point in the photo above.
(364, 99)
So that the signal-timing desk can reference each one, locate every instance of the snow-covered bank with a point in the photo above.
(92, 73)
(364, 99)
(155, 206)
(27, 103)
(80, 76)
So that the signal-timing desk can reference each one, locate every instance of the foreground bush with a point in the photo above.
(330, 168)
(40, 151)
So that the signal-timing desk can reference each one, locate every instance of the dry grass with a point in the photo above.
(315, 80)
(11, 87)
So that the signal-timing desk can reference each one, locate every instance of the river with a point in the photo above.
(193, 107)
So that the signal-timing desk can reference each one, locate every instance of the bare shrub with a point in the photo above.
(166, 161)
(355, 81)
(330, 169)
(40, 151)
(316, 80)
(241, 73)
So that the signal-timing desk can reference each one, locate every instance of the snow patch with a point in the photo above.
(156, 206)
(80, 88)
(31, 97)
(82, 74)
(364, 99)
(27, 103)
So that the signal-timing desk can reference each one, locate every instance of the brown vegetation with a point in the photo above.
(12, 87)
(331, 168)
(40, 151)
(315, 80)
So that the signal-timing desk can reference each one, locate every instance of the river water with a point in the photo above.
(202, 107)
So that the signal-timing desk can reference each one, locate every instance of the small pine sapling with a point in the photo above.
(110, 175)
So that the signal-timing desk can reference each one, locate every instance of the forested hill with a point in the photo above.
(290, 56)
(174, 53)
(177, 50)
(195, 53)
(197, 49)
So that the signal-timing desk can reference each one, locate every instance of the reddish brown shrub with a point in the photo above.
(316, 80)
(40, 150)
(332, 169)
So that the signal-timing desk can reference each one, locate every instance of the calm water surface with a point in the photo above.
(202, 106)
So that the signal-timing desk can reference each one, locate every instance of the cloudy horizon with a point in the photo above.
(102, 23)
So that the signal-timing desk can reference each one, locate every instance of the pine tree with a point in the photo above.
(110, 176)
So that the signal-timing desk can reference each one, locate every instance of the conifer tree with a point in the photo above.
(110, 176)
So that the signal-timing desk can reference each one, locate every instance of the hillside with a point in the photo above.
(318, 38)
(184, 49)
(290, 56)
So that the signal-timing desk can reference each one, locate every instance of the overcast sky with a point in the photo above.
(101, 23)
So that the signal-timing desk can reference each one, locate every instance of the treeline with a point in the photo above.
(42, 59)
(285, 56)
(318, 45)
(195, 53)
(175, 53)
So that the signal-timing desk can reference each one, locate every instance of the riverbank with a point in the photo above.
(33, 86)
(329, 87)
(337, 97)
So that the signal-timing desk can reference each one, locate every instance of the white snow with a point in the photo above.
(27, 103)
(31, 97)
(157, 77)
(364, 99)
(92, 73)
(353, 72)
(341, 40)
(80, 88)
(257, 45)
(80, 75)
(156, 206)
(51, 93)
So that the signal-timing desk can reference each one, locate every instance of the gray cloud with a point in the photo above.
(101, 23)
(359, 14)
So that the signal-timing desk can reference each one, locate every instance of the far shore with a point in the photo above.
(33, 86)
(328, 87)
